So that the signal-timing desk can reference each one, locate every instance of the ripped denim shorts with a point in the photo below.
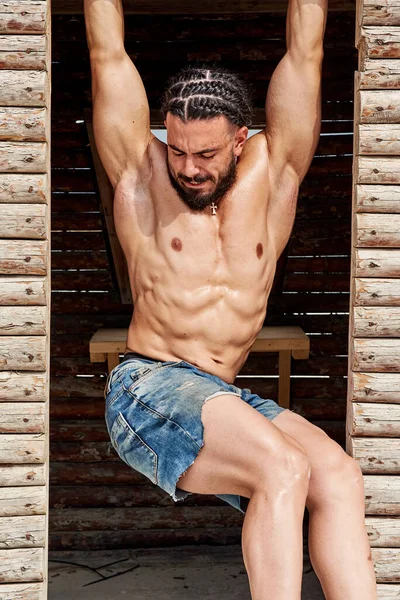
(153, 417)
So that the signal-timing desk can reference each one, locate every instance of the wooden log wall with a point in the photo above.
(96, 500)
(373, 410)
(24, 296)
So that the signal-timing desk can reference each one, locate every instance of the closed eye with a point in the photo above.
(207, 157)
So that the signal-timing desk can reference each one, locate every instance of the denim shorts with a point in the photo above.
(153, 416)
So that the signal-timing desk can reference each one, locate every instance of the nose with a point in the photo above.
(190, 169)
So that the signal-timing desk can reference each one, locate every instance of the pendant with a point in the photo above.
(214, 208)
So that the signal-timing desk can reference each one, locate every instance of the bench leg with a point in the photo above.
(112, 360)
(285, 357)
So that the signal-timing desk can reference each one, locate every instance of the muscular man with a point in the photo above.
(202, 221)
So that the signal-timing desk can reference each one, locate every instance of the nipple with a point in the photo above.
(176, 244)
(259, 250)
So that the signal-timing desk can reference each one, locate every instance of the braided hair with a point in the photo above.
(206, 92)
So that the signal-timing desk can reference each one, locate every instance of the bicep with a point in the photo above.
(293, 112)
(121, 115)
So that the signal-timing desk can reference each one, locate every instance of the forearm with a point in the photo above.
(305, 26)
(104, 21)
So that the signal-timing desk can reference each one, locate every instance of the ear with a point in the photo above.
(240, 139)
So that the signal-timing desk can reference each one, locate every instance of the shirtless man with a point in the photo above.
(202, 222)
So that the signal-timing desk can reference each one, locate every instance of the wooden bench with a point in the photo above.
(108, 344)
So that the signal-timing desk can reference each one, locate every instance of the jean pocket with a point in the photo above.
(133, 450)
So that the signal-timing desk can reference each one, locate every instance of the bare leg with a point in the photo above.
(338, 542)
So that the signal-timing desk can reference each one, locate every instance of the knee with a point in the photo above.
(292, 470)
(338, 474)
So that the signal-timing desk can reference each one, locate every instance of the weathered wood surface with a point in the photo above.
(22, 591)
(22, 564)
(386, 12)
(374, 230)
(386, 562)
(383, 532)
(17, 290)
(27, 257)
(23, 16)
(376, 455)
(23, 124)
(378, 74)
(381, 321)
(26, 221)
(379, 139)
(376, 263)
(26, 52)
(381, 42)
(376, 355)
(379, 106)
(382, 495)
(23, 320)
(23, 88)
(20, 448)
(22, 417)
(364, 419)
(192, 7)
(377, 198)
(23, 501)
(376, 292)
(374, 387)
(23, 157)
(21, 386)
(22, 353)
(22, 532)
(23, 475)
(26, 188)
(377, 169)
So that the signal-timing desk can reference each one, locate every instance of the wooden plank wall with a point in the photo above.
(373, 423)
(96, 500)
(24, 296)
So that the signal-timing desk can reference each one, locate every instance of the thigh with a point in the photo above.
(238, 444)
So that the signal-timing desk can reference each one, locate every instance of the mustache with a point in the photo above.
(196, 179)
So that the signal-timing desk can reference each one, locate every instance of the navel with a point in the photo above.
(176, 244)
(260, 250)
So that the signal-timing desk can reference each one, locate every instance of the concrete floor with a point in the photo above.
(178, 573)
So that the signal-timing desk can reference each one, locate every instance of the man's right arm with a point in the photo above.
(121, 115)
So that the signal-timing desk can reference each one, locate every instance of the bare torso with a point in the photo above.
(200, 283)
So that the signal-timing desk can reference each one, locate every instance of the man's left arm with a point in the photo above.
(293, 112)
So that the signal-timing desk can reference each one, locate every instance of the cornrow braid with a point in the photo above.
(206, 92)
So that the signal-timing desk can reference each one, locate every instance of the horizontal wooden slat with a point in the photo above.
(386, 562)
(374, 387)
(24, 188)
(376, 455)
(23, 532)
(17, 290)
(381, 321)
(23, 124)
(19, 501)
(382, 494)
(23, 320)
(384, 74)
(379, 139)
(27, 221)
(23, 16)
(190, 7)
(23, 88)
(372, 419)
(381, 42)
(376, 292)
(26, 257)
(18, 565)
(386, 12)
(23, 475)
(23, 52)
(379, 106)
(376, 355)
(22, 591)
(383, 532)
(376, 263)
(19, 448)
(22, 387)
(23, 353)
(23, 157)
(372, 230)
(377, 198)
(22, 417)
(377, 169)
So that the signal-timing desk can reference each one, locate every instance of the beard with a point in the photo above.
(197, 200)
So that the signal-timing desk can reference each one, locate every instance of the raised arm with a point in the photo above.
(121, 116)
(293, 110)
